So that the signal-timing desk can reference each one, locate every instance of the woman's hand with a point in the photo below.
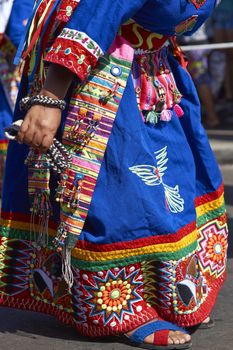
(41, 123)
(39, 127)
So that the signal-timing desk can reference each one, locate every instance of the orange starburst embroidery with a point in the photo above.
(114, 295)
(216, 248)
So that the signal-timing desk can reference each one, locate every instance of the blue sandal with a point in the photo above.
(161, 331)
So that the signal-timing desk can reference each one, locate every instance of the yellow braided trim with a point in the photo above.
(87, 255)
(205, 208)
(3, 249)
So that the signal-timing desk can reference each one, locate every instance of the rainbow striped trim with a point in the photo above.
(211, 206)
(94, 257)
(87, 99)
(3, 146)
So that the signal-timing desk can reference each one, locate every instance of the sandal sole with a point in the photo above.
(202, 326)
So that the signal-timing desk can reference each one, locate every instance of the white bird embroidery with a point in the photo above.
(153, 176)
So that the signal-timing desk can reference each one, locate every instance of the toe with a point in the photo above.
(178, 337)
(170, 340)
(173, 338)
(181, 337)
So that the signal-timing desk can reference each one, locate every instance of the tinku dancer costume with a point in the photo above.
(139, 205)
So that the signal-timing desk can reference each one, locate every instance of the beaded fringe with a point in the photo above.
(66, 267)
(40, 208)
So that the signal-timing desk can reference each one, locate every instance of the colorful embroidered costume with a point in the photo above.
(140, 208)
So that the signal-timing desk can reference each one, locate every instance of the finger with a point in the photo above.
(28, 136)
(46, 143)
(23, 129)
(37, 140)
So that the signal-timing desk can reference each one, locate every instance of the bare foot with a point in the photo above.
(174, 337)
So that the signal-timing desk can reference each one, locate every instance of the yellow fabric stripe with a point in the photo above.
(3, 146)
(24, 226)
(205, 208)
(125, 253)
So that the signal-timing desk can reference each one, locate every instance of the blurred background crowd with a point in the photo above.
(211, 68)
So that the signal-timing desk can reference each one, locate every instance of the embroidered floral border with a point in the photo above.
(76, 51)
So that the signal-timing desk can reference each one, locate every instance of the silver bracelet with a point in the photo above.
(27, 102)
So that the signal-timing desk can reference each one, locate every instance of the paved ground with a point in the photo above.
(23, 330)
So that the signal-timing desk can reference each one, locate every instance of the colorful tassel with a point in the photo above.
(179, 111)
(166, 115)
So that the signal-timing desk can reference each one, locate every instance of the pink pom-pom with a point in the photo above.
(166, 115)
(179, 111)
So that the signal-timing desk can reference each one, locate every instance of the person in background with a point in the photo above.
(13, 18)
(222, 22)
(198, 66)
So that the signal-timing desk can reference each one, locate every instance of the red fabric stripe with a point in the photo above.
(37, 32)
(141, 242)
(24, 218)
(209, 196)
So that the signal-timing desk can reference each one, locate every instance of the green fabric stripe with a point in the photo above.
(105, 265)
(213, 214)
(21, 234)
(104, 61)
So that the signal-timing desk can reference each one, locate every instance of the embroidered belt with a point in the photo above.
(142, 39)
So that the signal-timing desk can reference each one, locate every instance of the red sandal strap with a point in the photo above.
(161, 337)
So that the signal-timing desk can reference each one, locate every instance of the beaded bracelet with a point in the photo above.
(27, 102)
